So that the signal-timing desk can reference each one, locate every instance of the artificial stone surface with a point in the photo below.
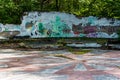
(54, 69)
(99, 67)
(38, 65)
(80, 67)
(105, 77)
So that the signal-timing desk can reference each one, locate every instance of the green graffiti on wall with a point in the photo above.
(41, 28)
(82, 35)
(58, 27)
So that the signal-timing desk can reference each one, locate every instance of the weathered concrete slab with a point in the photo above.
(105, 77)
(80, 67)
(31, 66)
(54, 69)
(99, 67)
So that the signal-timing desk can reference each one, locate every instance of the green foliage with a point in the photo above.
(79, 51)
(63, 56)
(11, 11)
(61, 42)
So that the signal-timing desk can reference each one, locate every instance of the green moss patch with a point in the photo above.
(63, 56)
(79, 51)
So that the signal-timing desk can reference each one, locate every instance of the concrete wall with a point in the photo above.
(56, 24)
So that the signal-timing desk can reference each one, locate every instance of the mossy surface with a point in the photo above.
(79, 51)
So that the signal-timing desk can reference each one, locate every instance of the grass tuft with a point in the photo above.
(63, 56)
(79, 51)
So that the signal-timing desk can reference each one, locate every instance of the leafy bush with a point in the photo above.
(12, 10)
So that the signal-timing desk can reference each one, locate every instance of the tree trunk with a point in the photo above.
(57, 5)
(42, 3)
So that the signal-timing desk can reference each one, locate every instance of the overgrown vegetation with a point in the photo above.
(11, 11)
(63, 56)
(79, 51)
(64, 41)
